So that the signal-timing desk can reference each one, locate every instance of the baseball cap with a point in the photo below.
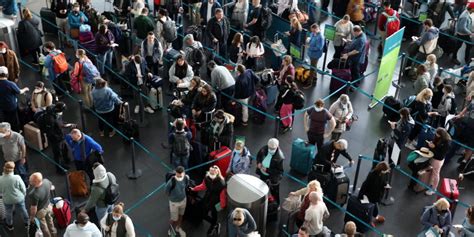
(3, 70)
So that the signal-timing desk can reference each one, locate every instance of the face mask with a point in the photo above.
(59, 113)
(385, 171)
(179, 179)
(4, 50)
(2, 135)
(116, 218)
(272, 151)
(212, 176)
(238, 151)
(318, 109)
(429, 98)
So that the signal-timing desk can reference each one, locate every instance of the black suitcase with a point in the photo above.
(392, 103)
(363, 211)
(317, 173)
(235, 109)
(197, 157)
(48, 21)
(338, 189)
(194, 212)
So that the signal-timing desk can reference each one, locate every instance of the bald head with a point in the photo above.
(76, 134)
(314, 197)
(36, 179)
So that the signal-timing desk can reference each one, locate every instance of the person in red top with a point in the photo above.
(388, 11)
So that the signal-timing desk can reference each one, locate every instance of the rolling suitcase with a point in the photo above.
(34, 137)
(194, 211)
(317, 173)
(62, 211)
(302, 155)
(48, 21)
(260, 103)
(424, 176)
(338, 189)
(363, 211)
(78, 184)
(449, 189)
(223, 156)
(235, 109)
(153, 98)
(341, 71)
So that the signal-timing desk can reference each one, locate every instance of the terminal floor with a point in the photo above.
(147, 204)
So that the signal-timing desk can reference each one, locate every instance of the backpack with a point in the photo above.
(89, 71)
(298, 102)
(392, 24)
(169, 32)
(46, 121)
(181, 145)
(116, 32)
(59, 62)
(197, 56)
(266, 18)
(170, 175)
(409, 101)
(112, 192)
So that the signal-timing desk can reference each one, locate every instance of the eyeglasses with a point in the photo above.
(237, 219)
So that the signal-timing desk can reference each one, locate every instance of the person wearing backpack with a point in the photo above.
(218, 30)
(180, 139)
(389, 23)
(86, 71)
(40, 98)
(176, 189)
(447, 105)
(193, 53)
(117, 224)
(56, 63)
(259, 21)
(152, 52)
(105, 41)
(101, 195)
(166, 28)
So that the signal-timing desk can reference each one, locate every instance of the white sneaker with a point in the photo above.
(411, 145)
(429, 192)
(181, 232)
(149, 110)
(137, 109)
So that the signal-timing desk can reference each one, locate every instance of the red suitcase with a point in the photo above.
(449, 188)
(62, 212)
(222, 155)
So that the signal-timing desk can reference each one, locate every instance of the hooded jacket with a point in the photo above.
(464, 24)
(428, 40)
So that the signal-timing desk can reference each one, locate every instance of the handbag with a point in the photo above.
(278, 48)
(351, 121)
(291, 203)
(74, 33)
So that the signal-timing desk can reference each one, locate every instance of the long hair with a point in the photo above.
(443, 136)
(382, 166)
(422, 96)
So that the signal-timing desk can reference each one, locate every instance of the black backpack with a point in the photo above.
(198, 57)
(453, 108)
(170, 175)
(112, 192)
(266, 18)
(299, 100)
(181, 145)
(47, 123)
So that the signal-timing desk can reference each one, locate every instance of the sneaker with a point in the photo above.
(380, 219)
(111, 134)
(245, 124)
(429, 192)
(101, 133)
(181, 232)
(149, 110)
(10, 227)
(137, 109)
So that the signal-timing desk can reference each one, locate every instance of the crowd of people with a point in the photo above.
(209, 97)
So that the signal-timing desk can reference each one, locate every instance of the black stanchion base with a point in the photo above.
(134, 175)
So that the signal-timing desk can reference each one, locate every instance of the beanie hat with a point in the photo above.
(100, 174)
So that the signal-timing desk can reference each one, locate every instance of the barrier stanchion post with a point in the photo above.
(354, 186)
(68, 189)
(400, 75)
(325, 58)
(440, 71)
(377, 8)
(134, 173)
(277, 126)
(83, 121)
(142, 109)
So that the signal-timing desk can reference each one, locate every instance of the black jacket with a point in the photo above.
(202, 103)
(131, 72)
(373, 187)
(275, 170)
(323, 157)
(439, 16)
(440, 150)
(214, 30)
(29, 34)
(245, 84)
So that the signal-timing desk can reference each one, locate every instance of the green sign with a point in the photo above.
(387, 65)
(295, 51)
(423, 16)
(329, 32)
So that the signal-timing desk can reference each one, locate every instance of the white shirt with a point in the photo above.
(139, 74)
(89, 230)
(314, 217)
(253, 50)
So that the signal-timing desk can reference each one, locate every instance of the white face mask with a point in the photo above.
(116, 218)
(318, 109)
(60, 113)
(2, 135)
(179, 179)
(272, 151)
(212, 176)
(4, 50)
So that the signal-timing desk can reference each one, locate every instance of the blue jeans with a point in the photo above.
(104, 59)
(19, 207)
(22, 171)
(102, 211)
(180, 160)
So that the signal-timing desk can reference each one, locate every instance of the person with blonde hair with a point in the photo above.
(421, 110)
(287, 69)
(117, 224)
(432, 67)
(467, 227)
(213, 185)
(13, 190)
(437, 216)
(313, 186)
(295, 34)
(343, 34)
(240, 223)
